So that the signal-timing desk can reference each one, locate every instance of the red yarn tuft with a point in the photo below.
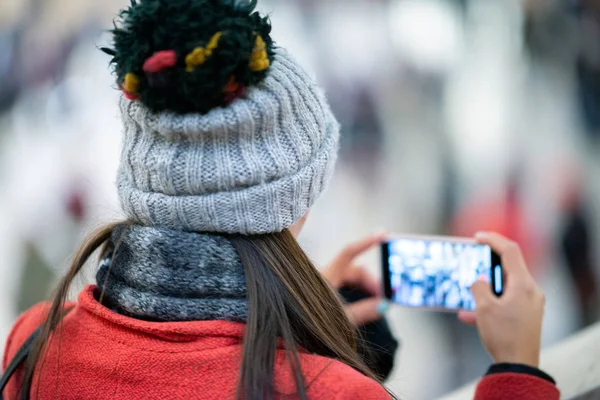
(160, 61)
(130, 96)
(232, 86)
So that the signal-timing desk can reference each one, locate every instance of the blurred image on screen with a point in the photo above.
(435, 273)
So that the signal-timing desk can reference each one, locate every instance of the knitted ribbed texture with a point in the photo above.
(253, 167)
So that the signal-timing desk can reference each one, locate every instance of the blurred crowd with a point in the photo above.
(457, 115)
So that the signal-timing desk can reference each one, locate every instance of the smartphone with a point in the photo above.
(437, 272)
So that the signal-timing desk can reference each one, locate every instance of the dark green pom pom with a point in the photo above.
(149, 26)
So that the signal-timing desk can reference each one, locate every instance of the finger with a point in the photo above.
(360, 278)
(482, 293)
(510, 252)
(355, 249)
(467, 317)
(365, 311)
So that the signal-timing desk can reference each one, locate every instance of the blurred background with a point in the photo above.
(458, 116)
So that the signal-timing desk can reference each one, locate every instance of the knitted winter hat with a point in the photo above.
(223, 132)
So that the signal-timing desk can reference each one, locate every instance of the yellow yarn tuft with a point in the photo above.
(196, 58)
(199, 55)
(131, 83)
(259, 61)
(213, 42)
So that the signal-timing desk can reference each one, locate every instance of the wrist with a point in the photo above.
(529, 360)
(527, 356)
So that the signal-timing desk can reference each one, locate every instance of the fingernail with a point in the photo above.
(480, 235)
(383, 306)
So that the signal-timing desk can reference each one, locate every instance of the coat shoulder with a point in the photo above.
(340, 381)
(24, 326)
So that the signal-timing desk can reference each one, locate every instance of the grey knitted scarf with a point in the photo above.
(159, 274)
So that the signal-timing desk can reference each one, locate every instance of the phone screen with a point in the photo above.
(437, 273)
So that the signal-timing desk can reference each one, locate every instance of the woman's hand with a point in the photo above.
(510, 325)
(343, 272)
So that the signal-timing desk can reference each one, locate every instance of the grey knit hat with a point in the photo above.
(254, 166)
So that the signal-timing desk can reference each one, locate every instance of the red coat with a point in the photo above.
(105, 355)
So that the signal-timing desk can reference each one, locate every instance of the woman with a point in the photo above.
(204, 292)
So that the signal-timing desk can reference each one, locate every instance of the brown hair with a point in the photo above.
(303, 311)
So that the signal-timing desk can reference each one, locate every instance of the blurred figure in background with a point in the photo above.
(30, 57)
(576, 242)
(565, 33)
(577, 246)
(504, 214)
(588, 65)
(362, 133)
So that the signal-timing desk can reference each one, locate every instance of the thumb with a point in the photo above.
(482, 293)
(364, 311)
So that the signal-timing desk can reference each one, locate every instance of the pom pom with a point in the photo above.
(158, 79)
(215, 40)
